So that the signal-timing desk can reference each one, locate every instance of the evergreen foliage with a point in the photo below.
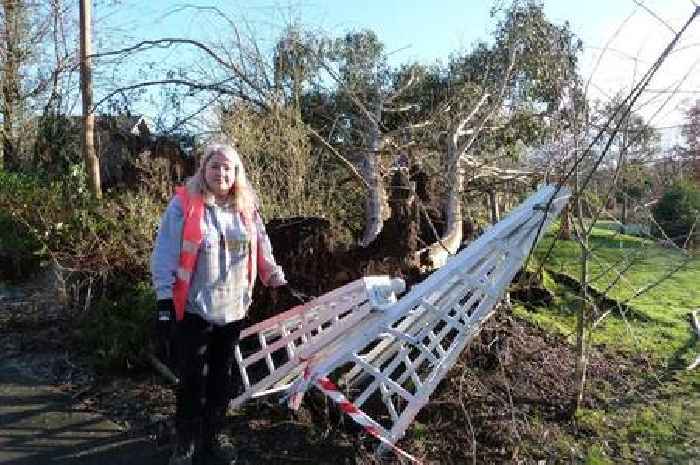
(678, 212)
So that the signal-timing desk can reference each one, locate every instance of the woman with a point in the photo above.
(210, 246)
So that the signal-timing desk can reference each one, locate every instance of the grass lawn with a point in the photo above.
(659, 420)
(658, 323)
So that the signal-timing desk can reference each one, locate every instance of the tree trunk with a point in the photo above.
(565, 230)
(451, 239)
(373, 204)
(375, 211)
(623, 161)
(92, 164)
(583, 318)
(493, 203)
(582, 335)
(455, 180)
(13, 10)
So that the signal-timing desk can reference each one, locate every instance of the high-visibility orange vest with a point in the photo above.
(192, 234)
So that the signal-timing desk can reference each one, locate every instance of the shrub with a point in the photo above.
(95, 239)
(18, 250)
(116, 331)
(102, 247)
(677, 213)
(292, 178)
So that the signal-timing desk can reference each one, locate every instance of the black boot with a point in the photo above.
(186, 433)
(216, 448)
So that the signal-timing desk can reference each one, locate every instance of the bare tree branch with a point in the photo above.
(412, 79)
(355, 99)
(170, 41)
(657, 17)
(606, 47)
(214, 86)
(335, 152)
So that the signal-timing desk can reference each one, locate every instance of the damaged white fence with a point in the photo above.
(271, 354)
(393, 355)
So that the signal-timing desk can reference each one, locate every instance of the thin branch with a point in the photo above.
(335, 152)
(162, 369)
(657, 17)
(459, 130)
(655, 283)
(605, 49)
(170, 41)
(690, 233)
(412, 79)
(218, 12)
(695, 323)
(355, 100)
(695, 318)
(165, 42)
(214, 86)
(180, 122)
(438, 239)
(401, 109)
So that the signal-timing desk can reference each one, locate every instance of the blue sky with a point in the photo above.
(423, 30)
(426, 31)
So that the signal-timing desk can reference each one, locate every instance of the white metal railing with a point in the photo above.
(391, 353)
(270, 354)
(397, 359)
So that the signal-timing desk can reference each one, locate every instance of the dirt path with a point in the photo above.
(41, 419)
(39, 426)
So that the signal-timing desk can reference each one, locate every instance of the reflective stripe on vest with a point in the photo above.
(192, 235)
(193, 211)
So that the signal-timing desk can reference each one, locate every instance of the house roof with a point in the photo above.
(122, 123)
(113, 123)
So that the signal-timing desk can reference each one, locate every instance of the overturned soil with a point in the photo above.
(484, 410)
(511, 374)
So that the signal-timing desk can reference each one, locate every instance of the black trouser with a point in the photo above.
(205, 366)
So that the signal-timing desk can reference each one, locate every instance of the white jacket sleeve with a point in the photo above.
(166, 250)
(271, 274)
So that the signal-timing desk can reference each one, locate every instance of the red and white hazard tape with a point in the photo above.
(329, 388)
(361, 418)
(296, 395)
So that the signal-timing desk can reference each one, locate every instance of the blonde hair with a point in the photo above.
(242, 195)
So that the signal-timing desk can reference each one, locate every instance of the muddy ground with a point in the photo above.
(483, 412)
(510, 375)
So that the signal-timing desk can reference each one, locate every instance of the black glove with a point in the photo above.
(165, 327)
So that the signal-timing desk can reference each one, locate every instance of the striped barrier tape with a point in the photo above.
(361, 418)
(296, 394)
(329, 388)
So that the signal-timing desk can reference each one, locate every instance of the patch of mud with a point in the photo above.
(513, 385)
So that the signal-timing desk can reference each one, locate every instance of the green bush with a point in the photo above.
(18, 250)
(102, 246)
(677, 213)
(94, 239)
(116, 332)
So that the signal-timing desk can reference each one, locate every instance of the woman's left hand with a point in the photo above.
(277, 280)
